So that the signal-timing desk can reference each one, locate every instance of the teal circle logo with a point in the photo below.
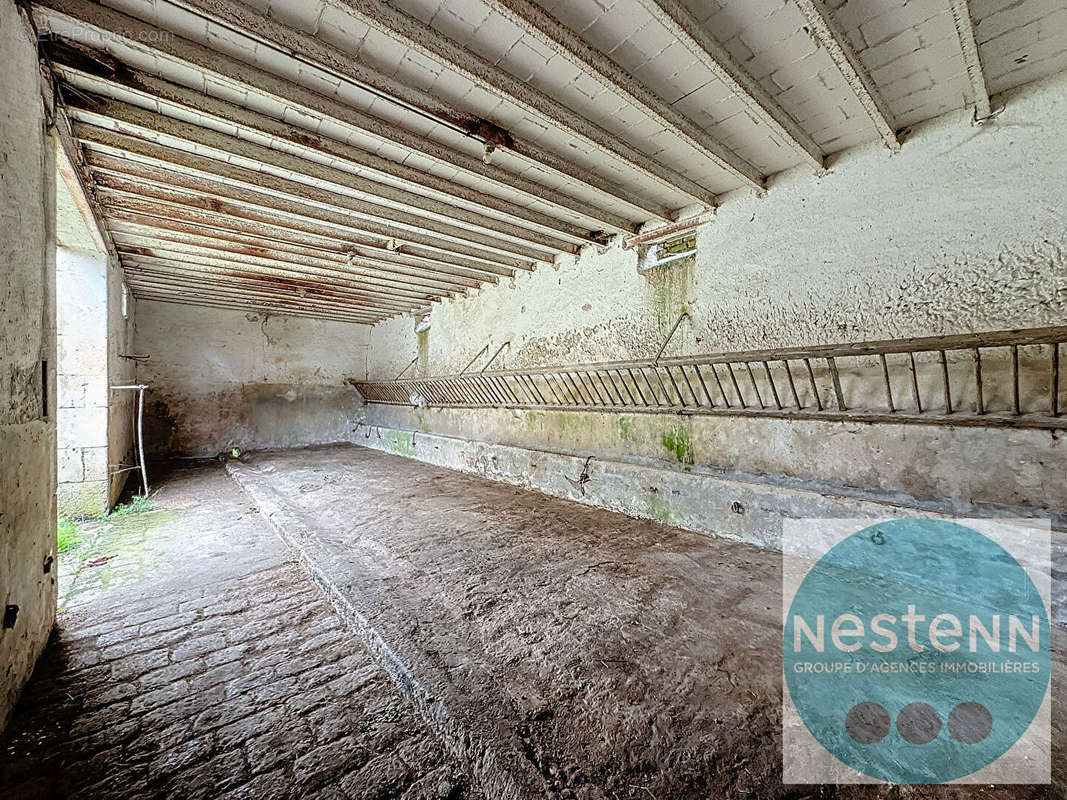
(917, 651)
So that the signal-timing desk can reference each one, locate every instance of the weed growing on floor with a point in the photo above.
(138, 505)
(66, 535)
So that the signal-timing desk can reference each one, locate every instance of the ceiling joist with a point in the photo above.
(824, 29)
(317, 152)
(181, 169)
(235, 160)
(296, 259)
(434, 45)
(127, 241)
(93, 25)
(537, 22)
(214, 300)
(679, 20)
(123, 196)
(972, 59)
(252, 284)
(173, 221)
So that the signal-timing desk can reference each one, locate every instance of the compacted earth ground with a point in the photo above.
(567, 651)
(356, 624)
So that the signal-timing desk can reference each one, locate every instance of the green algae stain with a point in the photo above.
(401, 442)
(670, 287)
(424, 352)
(423, 427)
(66, 535)
(680, 442)
(113, 551)
(656, 509)
(569, 426)
(626, 428)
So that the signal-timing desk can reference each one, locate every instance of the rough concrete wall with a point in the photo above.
(82, 382)
(961, 231)
(220, 379)
(122, 371)
(27, 340)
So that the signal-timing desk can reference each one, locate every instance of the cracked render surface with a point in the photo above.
(564, 651)
(201, 661)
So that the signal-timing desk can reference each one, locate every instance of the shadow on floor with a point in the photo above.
(199, 661)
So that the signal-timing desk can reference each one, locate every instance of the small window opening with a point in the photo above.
(669, 251)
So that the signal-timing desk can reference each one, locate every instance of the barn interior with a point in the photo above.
(420, 388)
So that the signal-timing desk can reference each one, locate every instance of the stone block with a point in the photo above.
(86, 499)
(70, 468)
(70, 390)
(82, 427)
(96, 387)
(94, 460)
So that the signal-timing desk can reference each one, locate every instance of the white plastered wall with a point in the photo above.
(961, 231)
(221, 379)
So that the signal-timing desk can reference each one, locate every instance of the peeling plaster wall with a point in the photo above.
(27, 338)
(220, 379)
(963, 230)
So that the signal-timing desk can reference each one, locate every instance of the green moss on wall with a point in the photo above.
(656, 509)
(670, 287)
(568, 423)
(401, 442)
(680, 442)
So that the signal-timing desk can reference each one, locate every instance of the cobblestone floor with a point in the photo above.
(206, 664)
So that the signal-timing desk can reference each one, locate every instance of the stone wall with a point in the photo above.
(82, 388)
(27, 357)
(961, 231)
(220, 379)
(122, 371)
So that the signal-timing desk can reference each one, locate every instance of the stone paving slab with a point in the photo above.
(214, 669)
(562, 651)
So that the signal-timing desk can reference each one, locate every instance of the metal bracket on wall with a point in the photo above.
(667, 341)
(405, 369)
(964, 382)
(499, 350)
(471, 362)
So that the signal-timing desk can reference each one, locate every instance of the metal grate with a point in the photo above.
(1002, 378)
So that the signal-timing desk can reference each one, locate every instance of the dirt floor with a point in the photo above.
(465, 639)
(565, 651)
(194, 658)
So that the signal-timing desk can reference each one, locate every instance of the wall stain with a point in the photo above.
(671, 289)
(658, 510)
(400, 442)
(680, 442)
(271, 340)
(423, 338)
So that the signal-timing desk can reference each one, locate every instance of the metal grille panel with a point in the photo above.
(999, 379)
